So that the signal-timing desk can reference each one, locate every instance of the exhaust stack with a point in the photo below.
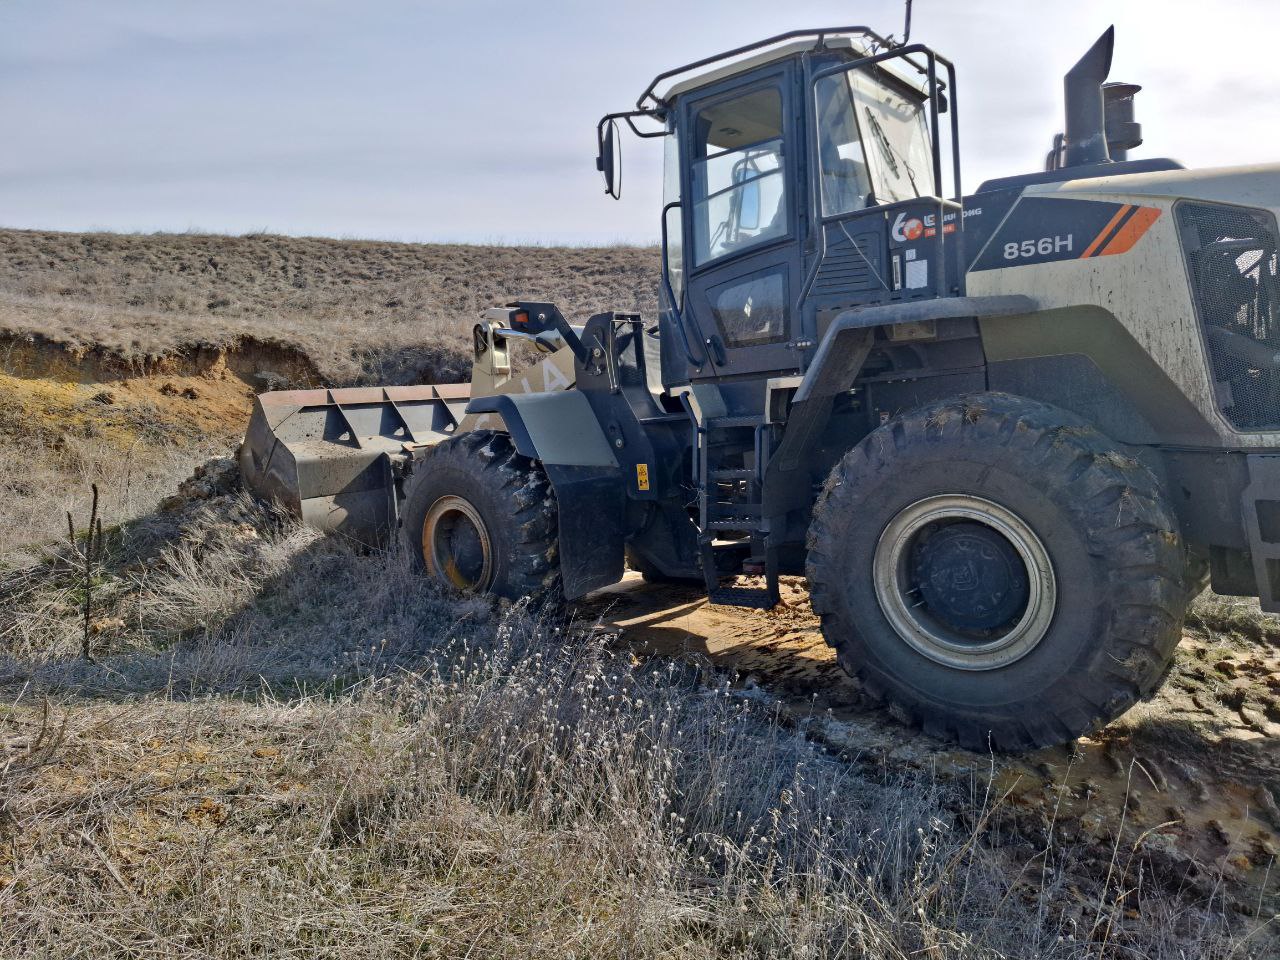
(1086, 133)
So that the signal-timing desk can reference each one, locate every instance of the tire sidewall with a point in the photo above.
(444, 477)
(878, 650)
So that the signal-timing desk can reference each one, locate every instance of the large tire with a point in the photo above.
(990, 520)
(480, 518)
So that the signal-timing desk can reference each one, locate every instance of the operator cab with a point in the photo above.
(802, 176)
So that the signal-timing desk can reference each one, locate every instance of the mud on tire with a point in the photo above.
(1111, 570)
(481, 489)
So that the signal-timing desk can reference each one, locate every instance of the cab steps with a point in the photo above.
(731, 452)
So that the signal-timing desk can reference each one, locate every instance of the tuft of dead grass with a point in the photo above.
(1240, 616)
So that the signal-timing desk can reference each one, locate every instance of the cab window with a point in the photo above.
(737, 174)
(873, 143)
(846, 186)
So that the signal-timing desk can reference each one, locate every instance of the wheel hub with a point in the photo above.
(970, 576)
(455, 545)
(965, 581)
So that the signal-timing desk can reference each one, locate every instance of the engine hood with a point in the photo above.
(1256, 185)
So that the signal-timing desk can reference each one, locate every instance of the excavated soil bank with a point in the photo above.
(71, 417)
(34, 356)
(49, 390)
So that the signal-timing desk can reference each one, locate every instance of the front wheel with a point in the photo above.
(998, 571)
(480, 518)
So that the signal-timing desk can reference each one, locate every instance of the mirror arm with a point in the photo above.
(607, 129)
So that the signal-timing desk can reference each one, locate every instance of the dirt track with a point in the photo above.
(1188, 782)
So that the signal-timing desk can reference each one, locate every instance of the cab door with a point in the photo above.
(741, 223)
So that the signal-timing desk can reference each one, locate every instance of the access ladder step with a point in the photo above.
(728, 423)
(732, 510)
(733, 523)
(737, 473)
(752, 597)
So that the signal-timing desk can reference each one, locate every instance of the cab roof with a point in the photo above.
(707, 77)
(740, 59)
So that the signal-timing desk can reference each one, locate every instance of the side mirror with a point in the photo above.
(609, 157)
(749, 206)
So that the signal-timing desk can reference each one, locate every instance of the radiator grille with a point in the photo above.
(1231, 256)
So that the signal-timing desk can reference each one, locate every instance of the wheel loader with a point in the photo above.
(1007, 436)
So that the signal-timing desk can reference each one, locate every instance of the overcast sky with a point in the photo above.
(474, 120)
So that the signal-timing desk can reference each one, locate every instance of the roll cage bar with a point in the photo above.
(649, 106)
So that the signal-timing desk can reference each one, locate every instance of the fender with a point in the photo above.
(561, 431)
(834, 368)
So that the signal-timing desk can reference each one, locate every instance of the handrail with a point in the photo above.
(671, 296)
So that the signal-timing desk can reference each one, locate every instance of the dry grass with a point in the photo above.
(364, 311)
(287, 747)
(1233, 615)
(41, 483)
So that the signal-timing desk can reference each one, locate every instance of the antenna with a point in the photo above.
(906, 30)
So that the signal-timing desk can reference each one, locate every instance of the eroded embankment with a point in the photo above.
(65, 374)
(72, 417)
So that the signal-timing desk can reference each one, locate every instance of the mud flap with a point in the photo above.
(561, 431)
(591, 507)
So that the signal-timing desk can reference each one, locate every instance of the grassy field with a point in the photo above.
(127, 359)
(276, 745)
(362, 311)
(283, 747)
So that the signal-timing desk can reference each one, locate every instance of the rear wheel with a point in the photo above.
(480, 518)
(998, 571)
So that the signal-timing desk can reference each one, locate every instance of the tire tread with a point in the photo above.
(1129, 528)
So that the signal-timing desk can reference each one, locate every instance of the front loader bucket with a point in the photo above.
(326, 455)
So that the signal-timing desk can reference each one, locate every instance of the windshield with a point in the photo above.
(892, 138)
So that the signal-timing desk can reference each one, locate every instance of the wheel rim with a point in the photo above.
(455, 545)
(965, 581)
